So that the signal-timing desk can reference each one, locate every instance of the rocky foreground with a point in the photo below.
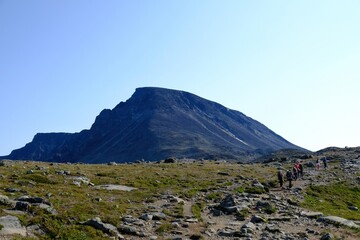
(236, 205)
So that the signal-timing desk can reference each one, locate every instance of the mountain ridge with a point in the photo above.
(156, 123)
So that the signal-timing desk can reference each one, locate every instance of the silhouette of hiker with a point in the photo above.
(325, 162)
(280, 177)
(289, 177)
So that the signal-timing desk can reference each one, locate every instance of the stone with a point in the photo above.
(34, 230)
(33, 200)
(273, 229)
(225, 233)
(310, 214)
(170, 160)
(257, 219)
(11, 226)
(12, 190)
(353, 208)
(265, 206)
(104, 227)
(249, 225)
(49, 209)
(159, 216)
(327, 236)
(338, 221)
(126, 229)
(146, 217)
(4, 200)
(115, 187)
(22, 206)
(256, 183)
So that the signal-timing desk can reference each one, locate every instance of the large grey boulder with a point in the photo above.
(11, 226)
(338, 221)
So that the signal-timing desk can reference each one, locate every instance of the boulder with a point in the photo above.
(327, 236)
(11, 226)
(310, 214)
(22, 206)
(257, 219)
(104, 227)
(338, 221)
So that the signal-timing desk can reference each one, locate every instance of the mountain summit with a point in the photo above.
(157, 123)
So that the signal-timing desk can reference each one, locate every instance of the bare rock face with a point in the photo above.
(155, 124)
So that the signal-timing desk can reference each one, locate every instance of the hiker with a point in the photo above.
(289, 177)
(280, 177)
(325, 162)
(317, 164)
(295, 173)
(301, 170)
(297, 166)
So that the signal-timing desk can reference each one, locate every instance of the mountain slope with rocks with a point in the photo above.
(157, 123)
(205, 200)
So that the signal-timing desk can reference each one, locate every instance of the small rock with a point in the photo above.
(146, 217)
(257, 219)
(105, 227)
(128, 229)
(353, 208)
(327, 236)
(159, 216)
(22, 206)
(249, 225)
(4, 200)
(310, 214)
(170, 160)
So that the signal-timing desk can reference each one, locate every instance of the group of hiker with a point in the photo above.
(291, 174)
(296, 172)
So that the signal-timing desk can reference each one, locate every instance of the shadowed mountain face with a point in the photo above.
(156, 123)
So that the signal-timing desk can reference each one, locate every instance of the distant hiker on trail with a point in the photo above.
(317, 164)
(297, 166)
(289, 177)
(295, 173)
(280, 177)
(301, 170)
(325, 162)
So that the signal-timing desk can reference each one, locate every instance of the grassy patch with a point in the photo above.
(197, 208)
(165, 227)
(333, 199)
(214, 196)
(38, 178)
(255, 190)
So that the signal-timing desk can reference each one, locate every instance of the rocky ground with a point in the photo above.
(259, 211)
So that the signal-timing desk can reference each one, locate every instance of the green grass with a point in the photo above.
(334, 200)
(197, 208)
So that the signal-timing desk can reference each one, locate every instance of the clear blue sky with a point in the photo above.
(292, 65)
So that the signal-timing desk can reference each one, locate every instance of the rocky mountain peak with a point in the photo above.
(156, 123)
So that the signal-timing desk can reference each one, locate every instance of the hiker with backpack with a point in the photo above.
(325, 162)
(289, 177)
(280, 177)
(295, 173)
(301, 170)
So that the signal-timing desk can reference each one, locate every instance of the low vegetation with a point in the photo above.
(187, 180)
(334, 199)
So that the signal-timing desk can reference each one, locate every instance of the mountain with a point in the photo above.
(157, 123)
